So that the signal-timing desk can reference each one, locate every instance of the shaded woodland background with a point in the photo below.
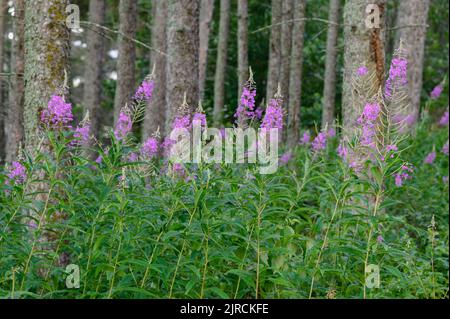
(104, 68)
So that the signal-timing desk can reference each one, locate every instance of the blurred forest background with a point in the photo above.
(101, 77)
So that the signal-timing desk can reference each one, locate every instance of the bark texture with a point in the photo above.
(242, 43)
(221, 65)
(126, 70)
(206, 14)
(3, 82)
(295, 83)
(46, 59)
(156, 108)
(363, 46)
(94, 65)
(273, 76)
(182, 61)
(286, 47)
(329, 92)
(14, 122)
(411, 21)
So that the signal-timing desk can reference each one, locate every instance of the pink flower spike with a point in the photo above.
(430, 158)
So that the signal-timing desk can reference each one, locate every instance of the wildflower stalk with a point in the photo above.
(258, 248)
(39, 226)
(158, 238)
(243, 260)
(336, 206)
(205, 265)
(378, 197)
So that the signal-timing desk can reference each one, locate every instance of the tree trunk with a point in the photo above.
(47, 43)
(364, 46)
(182, 61)
(221, 65)
(94, 65)
(127, 55)
(295, 82)
(3, 82)
(329, 92)
(206, 14)
(413, 14)
(242, 44)
(156, 108)
(14, 132)
(273, 76)
(286, 47)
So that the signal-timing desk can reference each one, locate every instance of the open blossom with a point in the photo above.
(133, 157)
(123, 126)
(81, 135)
(201, 117)
(17, 173)
(437, 91)
(182, 122)
(246, 108)
(320, 142)
(285, 158)
(445, 149)
(144, 91)
(430, 158)
(58, 112)
(274, 115)
(342, 151)
(362, 70)
(259, 113)
(444, 119)
(367, 121)
(397, 75)
(306, 138)
(404, 174)
(380, 239)
(150, 147)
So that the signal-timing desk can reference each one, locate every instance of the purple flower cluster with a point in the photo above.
(430, 158)
(404, 174)
(201, 117)
(150, 148)
(246, 108)
(145, 91)
(397, 75)
(320, 142)
(123, 126)
(17, 173)
(444, 119)
(133, 157)
(81, 135)
(367, 121)
(58, 112)
(445, 149)
(285, 158)
(182, 122)
(362, 70)
(274, 116)
(437, 91)
(306, 138)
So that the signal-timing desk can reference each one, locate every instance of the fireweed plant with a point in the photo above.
(136, 225)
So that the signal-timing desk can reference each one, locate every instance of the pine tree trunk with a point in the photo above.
(242, 44)
(206, 14)
(273, 76)
(363, 47)
(94, 65)
(329, 92)
(295, 82)
(47, 43)
(156, 108)
(221, 65)
(14, 132)
(127, 55)
(286, 47)
(182, 61)
(412, 20)
(3, 82)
